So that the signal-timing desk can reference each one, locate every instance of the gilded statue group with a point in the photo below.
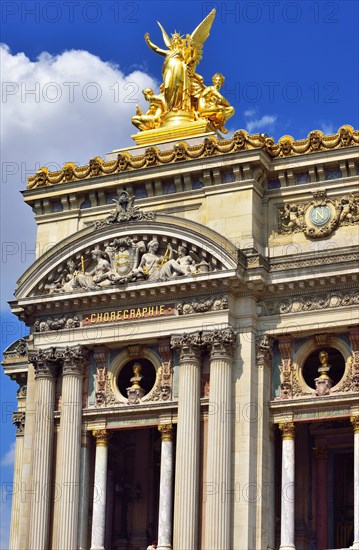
(183, 91)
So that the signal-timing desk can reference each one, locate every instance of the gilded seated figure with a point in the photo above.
(153, 117)
(213, 106)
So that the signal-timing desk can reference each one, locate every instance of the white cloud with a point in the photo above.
(67, 107)
(250, 113)
(265, 122)
(8, 458)
(327, 128)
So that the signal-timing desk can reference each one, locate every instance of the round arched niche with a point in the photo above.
(306, 362)
(121, 371)
(312, 363)
(147, 372)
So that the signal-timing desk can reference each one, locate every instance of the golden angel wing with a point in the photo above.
(166, 38)
(201, 33)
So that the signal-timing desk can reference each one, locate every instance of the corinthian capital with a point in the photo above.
(220, 342)
(189, 346)
(73, 360)
(287, 429)
(18, 418)
(44, 362)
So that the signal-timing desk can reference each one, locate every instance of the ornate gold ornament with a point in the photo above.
(320, 217)
(240, 141)
(355, 421)
(166, 431)
(102, 437)
(185, 106)
(287, 429)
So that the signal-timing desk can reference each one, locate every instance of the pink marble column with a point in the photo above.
(321, 455)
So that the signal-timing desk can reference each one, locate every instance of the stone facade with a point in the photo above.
(175, 339)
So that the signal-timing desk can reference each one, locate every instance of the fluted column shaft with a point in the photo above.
(84, 491)
(100, 487)
(42, 450)
(70, 448)
(355, 422)
(288, 479)
(186, 504)
(218, 477)
(19, 420)
(166, 488)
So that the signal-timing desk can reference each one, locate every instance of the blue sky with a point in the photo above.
(290, 67)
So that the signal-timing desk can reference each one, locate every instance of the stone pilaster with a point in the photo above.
(44, 365)
(288, 478)
(221, 344)
(70, 446)
(100, 486)
(355, 421)
(18, 418)
(186, 503)
(84, 490)
(265, 513)
(166, 488)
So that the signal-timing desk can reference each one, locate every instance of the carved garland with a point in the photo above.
(240, 141)
(309, 303)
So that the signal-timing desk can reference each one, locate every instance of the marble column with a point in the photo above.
(70, 447)
(221, 344)
(355, 421)
(288, 495)
(166, 488)
(44, 365)
(186, 505)
(84, 490)
(99, 495)
(321, 456)
(18, 418)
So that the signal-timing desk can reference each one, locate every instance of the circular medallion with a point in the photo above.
(319, 215)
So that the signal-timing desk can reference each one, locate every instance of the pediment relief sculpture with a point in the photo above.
(127, 260)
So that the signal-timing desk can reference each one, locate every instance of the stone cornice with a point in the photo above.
(241, 141)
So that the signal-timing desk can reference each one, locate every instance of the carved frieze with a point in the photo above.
(56, 324)
(320, 217)
(308, 303)
(201, 306)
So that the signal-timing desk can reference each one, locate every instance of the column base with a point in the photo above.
(355, 545)
(287, 547)
(97, 548)
(165, 547)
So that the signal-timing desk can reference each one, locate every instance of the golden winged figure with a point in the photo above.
(181, 59)
(183, 95)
